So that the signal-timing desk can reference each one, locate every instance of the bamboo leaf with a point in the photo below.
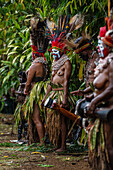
(75, 5)
(94, 134)
(22, 58)
(83, 135)
(14, 60)
(81, 72)
(16, 24)
(27, 43)
(80, 2)
(13, 52)
(102, 137)
(71, 8)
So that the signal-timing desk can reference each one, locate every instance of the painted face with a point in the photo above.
(102, 49)
(56, 54)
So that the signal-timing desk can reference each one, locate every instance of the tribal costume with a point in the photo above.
(35, 85)
(53, 116)
(99, 131)
(61, 72)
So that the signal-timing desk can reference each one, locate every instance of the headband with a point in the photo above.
(107, 42)
(77, 51)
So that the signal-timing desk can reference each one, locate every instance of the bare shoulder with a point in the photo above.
(68, 63)
(111, 64)
(36, 66)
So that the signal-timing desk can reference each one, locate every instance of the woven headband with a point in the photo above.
(57, 48)
(107, 42)
(82, 48)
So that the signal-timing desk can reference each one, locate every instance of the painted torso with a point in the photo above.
(101, 81)
(89, 68)
(58, 76)
(58, 70)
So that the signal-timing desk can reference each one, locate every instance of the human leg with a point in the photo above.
(63, 135)
(37, 120)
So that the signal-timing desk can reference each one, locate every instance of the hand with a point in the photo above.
(90, 108)
(78, 92)
(25, 92)
(64, 105)
(89, 97)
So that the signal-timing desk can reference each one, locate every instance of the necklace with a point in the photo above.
(89, 70)
(57, 64)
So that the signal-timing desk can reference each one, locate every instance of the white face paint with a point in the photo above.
(56, 54)
(100, 48)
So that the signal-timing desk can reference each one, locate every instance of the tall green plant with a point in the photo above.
(14, 31)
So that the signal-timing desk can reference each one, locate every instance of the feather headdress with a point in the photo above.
(39, 41)
(80, 43)
(57, 33)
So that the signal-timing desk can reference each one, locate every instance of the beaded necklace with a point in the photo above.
(56, 65)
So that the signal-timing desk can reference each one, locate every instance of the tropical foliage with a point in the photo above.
(15, 51)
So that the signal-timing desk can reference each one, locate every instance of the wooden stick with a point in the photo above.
(73, 125)
(58, 89)
(66, 113)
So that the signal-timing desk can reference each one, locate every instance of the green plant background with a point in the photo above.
(15, 50)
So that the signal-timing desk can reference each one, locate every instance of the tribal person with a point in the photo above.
(87, 52)
(38, 70)
(101, 133)
(61, 72)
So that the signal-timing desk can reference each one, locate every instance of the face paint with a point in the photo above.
(100, 48)
(103, 51)
(56, 54)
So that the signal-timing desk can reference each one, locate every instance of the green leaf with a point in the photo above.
(22, 58)
(42, 165)
(22, 36)
(94, 132)
(27, 43)
(13, 52)
(16, 24)
(75, 5)
(15, 58)
(80, 2)
(102, 137)
(8, 75)
(83, 135)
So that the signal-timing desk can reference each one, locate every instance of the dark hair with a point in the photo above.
(85, 42)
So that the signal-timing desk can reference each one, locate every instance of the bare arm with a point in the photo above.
(67, 74)
(87, 90)
(81, 92)
(30, 76)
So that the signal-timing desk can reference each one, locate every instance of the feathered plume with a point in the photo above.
(76, 22)
(64, 26)
(33, 23)
(75, 44)
(39, 41)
